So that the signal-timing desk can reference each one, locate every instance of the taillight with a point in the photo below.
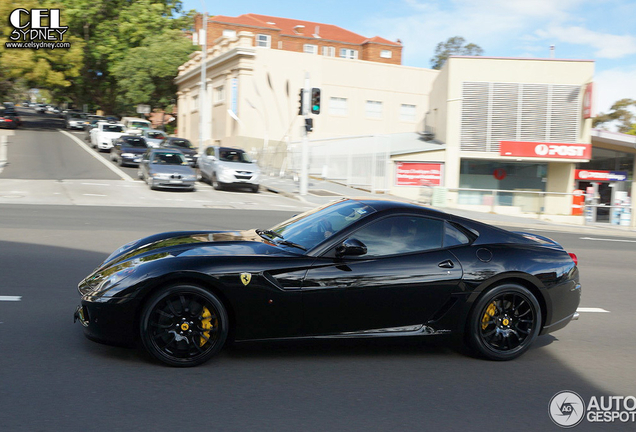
(574, 258)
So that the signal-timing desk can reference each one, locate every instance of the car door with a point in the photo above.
(405, 276)
(205, 162)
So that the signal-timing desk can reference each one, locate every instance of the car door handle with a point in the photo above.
(446, 264)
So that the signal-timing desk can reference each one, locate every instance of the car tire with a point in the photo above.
(504, 322)
(140, 174)
(215, 183)
(255, 188)
(183, 325)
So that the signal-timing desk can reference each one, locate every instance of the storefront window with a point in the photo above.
(483, 174)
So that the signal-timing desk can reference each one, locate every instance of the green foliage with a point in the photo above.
(455, 45)
(623, 113)
(122, 53)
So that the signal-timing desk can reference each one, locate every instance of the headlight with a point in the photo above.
(189, 177)
(127, 155)
(113, 280)
(160, 176)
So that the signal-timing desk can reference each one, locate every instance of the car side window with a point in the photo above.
(209, 151)
(401, 234)
(454, 237)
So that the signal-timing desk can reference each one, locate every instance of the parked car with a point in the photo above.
(184, 145)
(104, 133)
(75, 120)
(351, 268)
(135, 125)
(153, 137)
(225, 166)
(9, 118)
(92, 124)
(166, 168)
(128, 150)
(40, 108)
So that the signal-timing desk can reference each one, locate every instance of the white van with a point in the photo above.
(134, 125)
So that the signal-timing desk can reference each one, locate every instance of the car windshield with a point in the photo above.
(233, 155)
(139, 124)
(135, 142)
(113, 128)
(77, 116)
(169, 159)
(311, 228)
(181, 143)
(155, 135)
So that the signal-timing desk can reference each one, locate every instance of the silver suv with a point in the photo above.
(225, 166)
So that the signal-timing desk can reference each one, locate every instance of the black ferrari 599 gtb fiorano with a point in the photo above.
(352, 268)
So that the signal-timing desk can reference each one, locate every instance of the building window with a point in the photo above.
(338, 106)
(386, 54)
(328, 51)
(374, 109)
(219, 94)
(263, 40)
(348, 53)
(229, 33)
(407, 112)
(195, 103)
(310, 49)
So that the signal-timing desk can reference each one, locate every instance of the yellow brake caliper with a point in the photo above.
(490, 312)
(206, 324)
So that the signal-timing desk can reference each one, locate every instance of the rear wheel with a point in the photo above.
(183, 325)
(504, 322)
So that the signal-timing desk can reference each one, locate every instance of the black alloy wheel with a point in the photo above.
(504, 322)
(183, 325)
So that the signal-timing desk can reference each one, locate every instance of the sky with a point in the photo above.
(599, 30)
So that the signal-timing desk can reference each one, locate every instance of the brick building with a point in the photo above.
(302, 36)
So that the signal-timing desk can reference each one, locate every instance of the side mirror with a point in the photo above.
(351, 247)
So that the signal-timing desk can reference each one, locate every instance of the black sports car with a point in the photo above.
(353, 268)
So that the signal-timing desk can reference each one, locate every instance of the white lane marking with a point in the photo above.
(10, 298)
(586, 309)
(610, 240)
(94, 195)
(89, 150)
(96, 184)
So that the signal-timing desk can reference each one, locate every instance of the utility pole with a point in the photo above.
(202, 90)
(304, 158)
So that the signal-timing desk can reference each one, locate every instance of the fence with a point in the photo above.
(361, 162)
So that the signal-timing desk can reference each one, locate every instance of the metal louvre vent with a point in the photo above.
(494, 112)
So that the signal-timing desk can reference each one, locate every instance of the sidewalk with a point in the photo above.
(322, 192)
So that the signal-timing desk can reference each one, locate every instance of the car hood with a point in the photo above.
(189, 243)
(182, 244)
(135, 150)
(171, 169)
(239, 166)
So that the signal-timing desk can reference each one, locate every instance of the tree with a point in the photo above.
(455, 45)
(620, 113)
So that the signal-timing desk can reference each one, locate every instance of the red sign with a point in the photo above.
(545, 150)
(418, 174)
(587, 101)
(599, 175)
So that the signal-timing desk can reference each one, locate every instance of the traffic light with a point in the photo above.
(300, 102)
(315, 101)
(309, 124)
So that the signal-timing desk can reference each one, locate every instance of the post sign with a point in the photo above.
(143, 109)
(599, 175)
(545, 150)
(418, 174)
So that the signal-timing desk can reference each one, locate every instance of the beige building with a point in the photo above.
(521, 127)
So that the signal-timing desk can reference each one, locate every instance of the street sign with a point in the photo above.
(143, 109)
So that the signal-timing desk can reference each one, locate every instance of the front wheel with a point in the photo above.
(504, 322)
(215, 182)
(183, 325)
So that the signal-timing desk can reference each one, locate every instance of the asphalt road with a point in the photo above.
(52, 378)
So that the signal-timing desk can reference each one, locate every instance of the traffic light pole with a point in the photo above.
(304, 158)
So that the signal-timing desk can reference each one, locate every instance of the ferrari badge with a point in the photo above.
(246, 278)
